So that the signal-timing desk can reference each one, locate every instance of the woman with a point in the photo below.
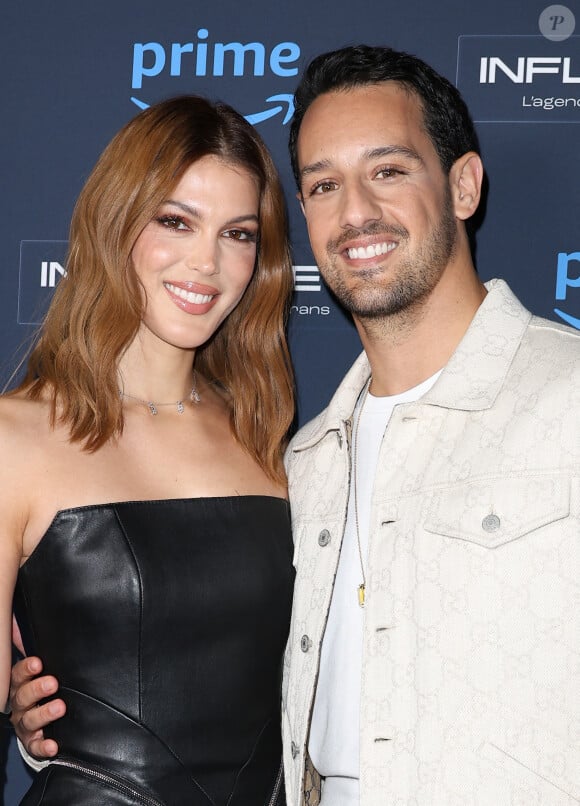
(145, 526)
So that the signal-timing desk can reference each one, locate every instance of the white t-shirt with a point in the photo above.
(334, 732)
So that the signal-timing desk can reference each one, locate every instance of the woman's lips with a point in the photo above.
(192, 297)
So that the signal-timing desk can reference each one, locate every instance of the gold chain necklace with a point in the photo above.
(153, 407)
(361, 590)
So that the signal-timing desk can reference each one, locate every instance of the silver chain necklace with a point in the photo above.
(361, 590)
(153, 407)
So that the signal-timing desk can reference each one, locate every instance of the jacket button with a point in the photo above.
(491, 523)
(324, 538)
(294, 749)
(305, 643)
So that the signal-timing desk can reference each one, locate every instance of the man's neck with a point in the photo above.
(405, 349)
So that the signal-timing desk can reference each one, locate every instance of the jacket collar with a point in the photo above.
(470, 381)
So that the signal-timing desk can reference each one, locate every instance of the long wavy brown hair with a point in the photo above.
(97, 308)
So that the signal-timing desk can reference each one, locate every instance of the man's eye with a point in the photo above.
(387, 173)
(323, 187)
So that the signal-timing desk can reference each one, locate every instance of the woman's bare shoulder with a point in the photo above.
(23, 430)
(23, 422)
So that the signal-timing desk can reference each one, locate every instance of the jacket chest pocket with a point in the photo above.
(494, 511)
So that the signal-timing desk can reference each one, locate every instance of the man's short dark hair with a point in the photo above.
(447, 119)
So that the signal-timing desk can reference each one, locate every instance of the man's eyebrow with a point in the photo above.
(392, 151)
(315, 167)
(370, 154)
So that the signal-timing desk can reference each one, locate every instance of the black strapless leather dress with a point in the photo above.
(165, 623)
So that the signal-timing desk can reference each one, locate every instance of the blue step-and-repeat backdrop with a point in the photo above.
(73, 73)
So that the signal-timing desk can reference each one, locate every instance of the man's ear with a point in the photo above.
(300, 198)
(465, 178)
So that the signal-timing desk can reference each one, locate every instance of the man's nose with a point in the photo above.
(359, 206)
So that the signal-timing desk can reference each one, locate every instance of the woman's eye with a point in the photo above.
(241, 235)
(173, 222)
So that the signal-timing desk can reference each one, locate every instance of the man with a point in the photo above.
(433, 653)
(434, 648)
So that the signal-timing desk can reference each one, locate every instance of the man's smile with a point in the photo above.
(372, 250)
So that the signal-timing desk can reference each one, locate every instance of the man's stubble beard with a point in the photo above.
(415, 278)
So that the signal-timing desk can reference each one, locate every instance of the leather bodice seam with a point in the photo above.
(140, 640)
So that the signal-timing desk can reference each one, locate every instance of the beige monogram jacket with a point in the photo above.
(471, 670)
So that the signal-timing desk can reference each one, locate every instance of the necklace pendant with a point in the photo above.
(180, 407)
(152, 408)
(361, 594)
